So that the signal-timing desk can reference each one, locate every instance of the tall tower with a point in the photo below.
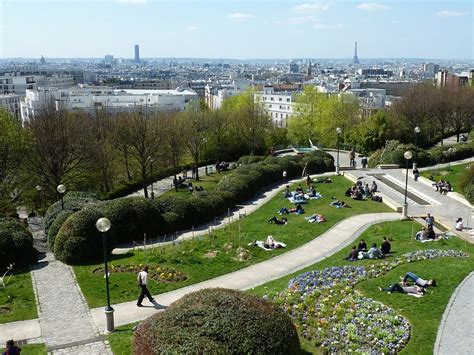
(137, 54)
(355, 60)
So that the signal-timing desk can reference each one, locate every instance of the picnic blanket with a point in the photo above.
(296, 201)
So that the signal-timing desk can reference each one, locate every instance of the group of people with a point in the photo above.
(361, 252)
(427, 232)
(443, 187)
(192, 188)
(411, 284)
(359, 191)
(352, 162)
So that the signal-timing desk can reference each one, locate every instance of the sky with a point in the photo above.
(239, 29)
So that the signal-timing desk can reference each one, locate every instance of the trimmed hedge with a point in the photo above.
(132, 217)
(393, 154)
(217, 321)
(16, 244)
(466, 183)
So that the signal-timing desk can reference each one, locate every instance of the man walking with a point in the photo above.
(142, 280)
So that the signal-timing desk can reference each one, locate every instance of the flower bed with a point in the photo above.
(158, 273)
(331, 314)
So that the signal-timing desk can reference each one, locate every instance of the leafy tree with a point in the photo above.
(462, 117)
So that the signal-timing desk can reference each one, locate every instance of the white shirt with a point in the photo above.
(143, 275)
(459, 226)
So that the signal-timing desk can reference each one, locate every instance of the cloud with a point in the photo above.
(240, 16)
(322, 26)
(373, 6)
(298, 20)
(446, 13)
(193, 28)
(140, 2)
(311, 8)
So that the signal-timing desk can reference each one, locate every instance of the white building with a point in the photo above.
(279, 105)
(215, 95)
(101, 97)
(12, 103)
(12, 84)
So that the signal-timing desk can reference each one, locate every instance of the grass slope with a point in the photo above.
(31, 349)
(423, 314)
(447, 174)
(19, 298)
(192, 257)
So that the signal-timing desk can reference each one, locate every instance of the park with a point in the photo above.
(252, 247)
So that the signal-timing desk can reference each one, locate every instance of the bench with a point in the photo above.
(388, 166)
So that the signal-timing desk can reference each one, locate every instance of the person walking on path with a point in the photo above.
(352, 156)
(142, 280)
(11, 349)
(285, 174)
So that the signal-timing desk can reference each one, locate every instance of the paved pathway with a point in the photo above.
(456, 333)
(166, 184)
(333, 240)
(233, 215)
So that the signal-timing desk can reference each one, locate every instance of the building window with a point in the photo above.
(271, 98)
(287, 100)
(279, 99)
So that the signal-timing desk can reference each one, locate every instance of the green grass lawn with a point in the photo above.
(211, 256)
(121, 340)
(18, 297)
(208, 183)
(31, 349)
(447, 174)
(423, 314)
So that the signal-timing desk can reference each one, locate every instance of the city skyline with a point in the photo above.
(236, 29)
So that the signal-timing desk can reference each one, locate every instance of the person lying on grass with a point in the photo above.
(316, 218)
(338, 204)
(297, 210)
(414, 291)
(269, 244)
(277, 221)
(418, 281)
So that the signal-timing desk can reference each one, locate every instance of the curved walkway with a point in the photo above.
(330, 242)
(456, 334)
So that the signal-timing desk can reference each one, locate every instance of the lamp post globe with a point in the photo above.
(338, 131)
(39, 188)
(408, 155)
(61, 189)
(103, 225)
(417, 129)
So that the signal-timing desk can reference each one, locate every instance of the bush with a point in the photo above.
(466, 183)
(56, 225)
(132, 217)
(250, 159)
(16, 244)
(79, 240)
(217, 321)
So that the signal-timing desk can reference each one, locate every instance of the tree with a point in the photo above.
(59, 140)
(142, 134)
(194, 126)
(219, 129)
(462, 116)
(14, 145)
(171, 138)
(248, 119)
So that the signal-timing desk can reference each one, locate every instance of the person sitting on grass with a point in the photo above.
(11, 349)
(418, 281)
(299, 189)
(430, 233)
(349, 191)
(338, 204)
(353, 254)
(297, 210)
(421, 235)
(366, 190)
(357, 195)
(277, 221)
(362, 246)
(459, 225)
(409, 290)
(385, 247)
(374, 252)
(270, 243)
(312, 191)
(374, 187)
(283, 210)
(287, 192)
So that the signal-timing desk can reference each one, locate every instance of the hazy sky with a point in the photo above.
(237, 28)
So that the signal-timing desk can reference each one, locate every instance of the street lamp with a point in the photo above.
(61, 189)
(205, 150)
(39, 188)
(407, 155)
(339, 131)
(103, 225)
(416, 131)
(152, 180)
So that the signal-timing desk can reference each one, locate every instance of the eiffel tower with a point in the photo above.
(355, 60)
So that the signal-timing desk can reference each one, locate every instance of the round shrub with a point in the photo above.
(217, 321)
(466, 182)
(16, 244)
(131, 217)
(78, 240)
(56, 225)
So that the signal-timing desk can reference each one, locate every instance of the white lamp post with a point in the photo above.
(61, 189)
(103, 225)
(407, 155)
